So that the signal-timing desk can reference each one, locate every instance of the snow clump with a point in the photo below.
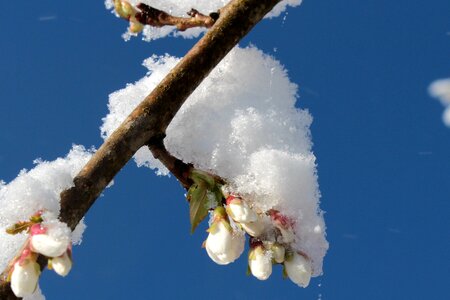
(242, 124)
(36, 190)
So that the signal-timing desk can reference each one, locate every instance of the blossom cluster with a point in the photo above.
(271, 240)
(47, 237)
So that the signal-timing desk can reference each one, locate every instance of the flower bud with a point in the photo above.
(254, 229)
(223, 245)
(239, 211)
(47, 244)
(135, 26)
(259, 262)
(124, 8)
(284, 224)
(298, 269)
(62, 264)
(25, 276)
(278, 253)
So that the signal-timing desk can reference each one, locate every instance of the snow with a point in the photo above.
(242, 124)
(180, 8)
(37, 295)
(34, 190)
(441, 89)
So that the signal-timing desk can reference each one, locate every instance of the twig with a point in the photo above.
(151, 118)
(177, 167)
(158, 18)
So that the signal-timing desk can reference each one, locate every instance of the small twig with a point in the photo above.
(158, 18)
(178, 168)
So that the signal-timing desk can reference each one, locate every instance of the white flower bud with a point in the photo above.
(50, 239)
(254, 229)
(223, 245)
(260, 263)
(298, 268)
(48, 245)
(239, 211)
(24, 277)
(278, 253)
(62, 264)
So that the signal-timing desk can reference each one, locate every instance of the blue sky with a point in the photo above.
(383, 152)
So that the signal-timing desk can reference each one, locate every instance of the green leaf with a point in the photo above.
(200, 176)
(18, 227)
(198, 201)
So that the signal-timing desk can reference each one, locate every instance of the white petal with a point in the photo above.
(261, 265)
(48, 246)
(223, 246)
(62, 264)
(278, 253)
(299, 270)
(24, 278)
(254, 229)
(241, 213)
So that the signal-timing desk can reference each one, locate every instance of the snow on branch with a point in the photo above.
(154, 114)
(165, 16)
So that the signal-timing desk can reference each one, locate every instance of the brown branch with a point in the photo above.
(151, 118)
(158, 18)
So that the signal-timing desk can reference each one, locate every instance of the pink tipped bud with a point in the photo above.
(223, 245)
(284, 224)
(281, 220)
(239, 210)
(52, 241)
(37, 229)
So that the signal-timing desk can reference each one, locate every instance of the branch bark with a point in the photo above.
(151, 118)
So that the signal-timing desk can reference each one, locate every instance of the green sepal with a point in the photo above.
(18, 227)
(252, 255)
(285, 274)
(288, 255)
(50, 264)
(8, 278)
(249, 271)
(230, 213)
(36, 219)
(197, 197)
(227, 225)
(212, 228)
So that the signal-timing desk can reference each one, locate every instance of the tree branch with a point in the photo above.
(151, 118)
